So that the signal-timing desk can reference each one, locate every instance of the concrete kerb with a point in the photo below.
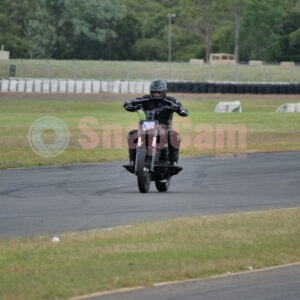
(98, 294)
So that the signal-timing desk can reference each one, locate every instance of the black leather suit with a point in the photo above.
(146, 103)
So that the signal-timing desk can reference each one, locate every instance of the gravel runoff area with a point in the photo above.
(179, 96)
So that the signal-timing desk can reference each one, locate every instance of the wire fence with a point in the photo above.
(149, 70)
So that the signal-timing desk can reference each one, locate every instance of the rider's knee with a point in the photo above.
(132, 138)
(174, 139)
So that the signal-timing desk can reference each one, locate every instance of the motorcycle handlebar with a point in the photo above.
(173, 107)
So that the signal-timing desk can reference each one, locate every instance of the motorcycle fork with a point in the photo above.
(148, 142)
(152, 149)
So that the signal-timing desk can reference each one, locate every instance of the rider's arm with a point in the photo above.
(183, 112)
(132, 104)
(178, 107)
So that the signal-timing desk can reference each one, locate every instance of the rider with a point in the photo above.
(156, 99)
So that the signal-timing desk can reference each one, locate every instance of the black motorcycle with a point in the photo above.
(152, 155)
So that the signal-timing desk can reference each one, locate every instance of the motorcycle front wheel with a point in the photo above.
(142, 171)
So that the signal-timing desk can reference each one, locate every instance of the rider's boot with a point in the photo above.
(132, 155)
(174, 144)
(165, 156)
(173, 156)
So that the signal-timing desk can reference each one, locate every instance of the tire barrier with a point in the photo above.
(233, 87)
(141, 87)
(73, 86)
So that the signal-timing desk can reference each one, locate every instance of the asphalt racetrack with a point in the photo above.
(269, 284)
(57, 199)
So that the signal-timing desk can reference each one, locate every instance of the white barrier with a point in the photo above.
(54, 86)
(146, 87)
(37, 86)
(29, 86)
(46, 86)
(21, 86)
(96, 86)
(78, 86)
(124, 87)
(5, 85)
(13, 84)
(116, 87)
(73, 86)
(289, 107)
(87, 86)
(233, 106)
(62, 86)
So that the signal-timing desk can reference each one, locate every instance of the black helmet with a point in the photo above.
(158, 86)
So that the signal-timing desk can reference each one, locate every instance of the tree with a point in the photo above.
(233, 14)
(187, 36)
(208, 14)
(237, 7)
(260, 30)
(64, 28)
(129, 32)
(153, 38)
(290, 42)
(150, 49)
(96, 21)
(134, 29)
(14, 17)
(50, 29)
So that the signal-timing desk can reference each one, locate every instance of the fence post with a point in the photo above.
(101, 70)
(264, 71)
(291, 73)
(74, 69)
(48, 69)
(155, 69)
(128, 70)
(21, 68)
(182, 70)
(236, 72)
(209, 71)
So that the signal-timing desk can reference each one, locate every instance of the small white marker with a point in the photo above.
(55, 239)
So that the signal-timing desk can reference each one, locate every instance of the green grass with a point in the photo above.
(266, 130)
(146, 253)
(146, 70)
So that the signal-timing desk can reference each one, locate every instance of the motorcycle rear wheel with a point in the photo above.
(163, 185)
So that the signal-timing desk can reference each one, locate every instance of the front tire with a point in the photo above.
(163, 185)
(142, 171)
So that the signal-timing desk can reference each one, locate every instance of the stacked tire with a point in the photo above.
(232, 88)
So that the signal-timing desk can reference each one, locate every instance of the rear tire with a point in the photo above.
(142, 171)
(163, 185)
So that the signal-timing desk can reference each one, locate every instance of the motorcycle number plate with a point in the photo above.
(148, 125)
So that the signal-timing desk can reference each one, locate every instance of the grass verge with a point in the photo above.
(265, 129)
(146, 253)
(118, 70)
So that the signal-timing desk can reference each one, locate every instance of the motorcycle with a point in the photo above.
(152, 159)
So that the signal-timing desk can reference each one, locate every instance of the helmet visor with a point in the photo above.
(156, 94)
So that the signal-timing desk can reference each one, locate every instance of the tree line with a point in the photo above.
(266, 30)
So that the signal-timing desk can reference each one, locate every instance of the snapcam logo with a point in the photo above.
(37, 141)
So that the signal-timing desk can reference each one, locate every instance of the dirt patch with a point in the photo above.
(111, 96)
